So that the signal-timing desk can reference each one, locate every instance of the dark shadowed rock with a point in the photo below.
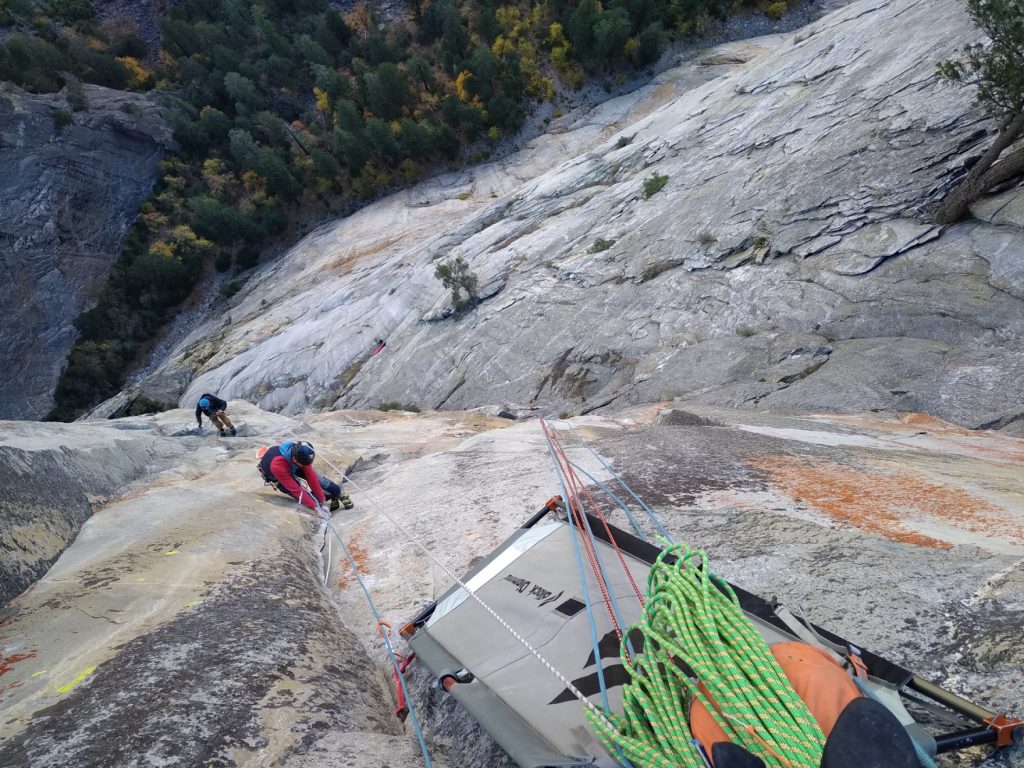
(67, 197)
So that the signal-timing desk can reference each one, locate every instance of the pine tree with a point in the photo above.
(997, 69)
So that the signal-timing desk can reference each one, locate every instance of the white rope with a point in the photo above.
(494, 614)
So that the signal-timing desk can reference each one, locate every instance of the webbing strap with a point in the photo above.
(807, 634)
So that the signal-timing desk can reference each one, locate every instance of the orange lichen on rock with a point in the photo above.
(361, 558)
(880, 501)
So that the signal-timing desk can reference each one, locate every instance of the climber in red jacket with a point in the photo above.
(285, 465)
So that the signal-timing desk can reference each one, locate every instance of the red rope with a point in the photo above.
(600, 515)
(572, 490)
(576, 490)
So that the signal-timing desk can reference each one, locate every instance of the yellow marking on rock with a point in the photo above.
(40, 672)
(171, 552)
(68, 686)
(194, 602)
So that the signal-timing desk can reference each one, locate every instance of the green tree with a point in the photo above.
(611, 33)
(351, 149)
(486, 70)
(454, 37)
(419, 71)
(348, 116)
(455, 276)
(312, 52)
(221, 223)
(651, 43)
(581, 27)
(382, 140)
(242, 90)
(255, 157)
(997, 70)
(386, 91)
(215, 124)
(415, 138)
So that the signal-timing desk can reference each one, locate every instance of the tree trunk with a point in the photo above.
(980, 178)
(1005, 169)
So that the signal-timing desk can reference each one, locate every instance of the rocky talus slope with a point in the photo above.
(67, 196)
(788, 261)
(189, 624)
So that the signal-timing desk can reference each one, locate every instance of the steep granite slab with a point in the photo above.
(786, 261)
(67, 197)
(52, 479)
(187, 625)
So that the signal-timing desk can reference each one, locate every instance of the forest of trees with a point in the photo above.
(286, 110)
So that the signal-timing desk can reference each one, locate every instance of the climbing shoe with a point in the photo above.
(346, 502)
(867, 735)
(335, 504)
(234, 432)
(223, 433)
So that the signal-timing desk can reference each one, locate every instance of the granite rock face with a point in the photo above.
(788, 261)
(50, 482)
(190, 622)
(67, 196)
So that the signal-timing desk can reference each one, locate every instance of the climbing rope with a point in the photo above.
(655, 520)
(585, 495)
(577, 537)
(595, 712)
(586, 538)
(595, 643)
(399, 676)
(611, 494)
(700, 646)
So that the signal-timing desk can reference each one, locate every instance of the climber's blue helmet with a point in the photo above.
(204, 402)
(303, 454)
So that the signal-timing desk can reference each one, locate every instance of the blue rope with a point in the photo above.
(583, 581)
(611, 593)
(650, 513)
(598, 663)
(391, 651)
(615, 498)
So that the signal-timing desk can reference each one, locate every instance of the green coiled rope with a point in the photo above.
(695, 631)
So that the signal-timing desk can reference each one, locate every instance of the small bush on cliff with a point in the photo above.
(456, 277)
(654, 184)
(75, 95)
(143, 405)
(62, 119)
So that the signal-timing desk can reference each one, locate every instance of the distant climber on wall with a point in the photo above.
(289, 468)
(214, 409)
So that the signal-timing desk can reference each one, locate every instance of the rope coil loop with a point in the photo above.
(699, 646)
